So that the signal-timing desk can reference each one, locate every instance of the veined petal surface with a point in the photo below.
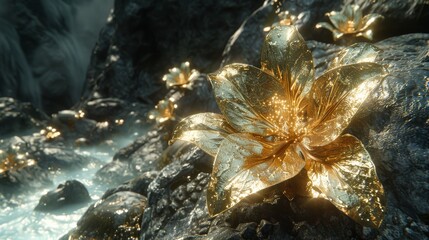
(246, 164)
(336, 96)
(206, 130)
(345, 175)
(250, 99)
(286, 55)
(356, 53)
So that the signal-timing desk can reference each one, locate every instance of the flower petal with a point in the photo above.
(368, 34)
(287, 56)
(335, 98)
(356, 53)
(206, 130)
(339, 20)
(238, 92)
(345, 175)
(246, 164)
(368, 20)
(336, 34)
(357, 15)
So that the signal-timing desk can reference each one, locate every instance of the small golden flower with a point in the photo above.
(163, 111)
(50, 133)
(180, 76)
(279, 120)
(350, 22)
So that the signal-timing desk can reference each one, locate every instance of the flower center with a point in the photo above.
(350, 26)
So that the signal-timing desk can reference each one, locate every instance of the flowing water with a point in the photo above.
(18, 220)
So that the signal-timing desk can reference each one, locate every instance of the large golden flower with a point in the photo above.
(279, 120)
(350, 22)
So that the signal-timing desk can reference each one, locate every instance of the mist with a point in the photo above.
(45, 49)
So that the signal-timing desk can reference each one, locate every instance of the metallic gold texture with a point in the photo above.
(279, 120)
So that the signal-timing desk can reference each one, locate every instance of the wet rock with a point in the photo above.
(197, 97)
(19, 118)
(27, 163)
(143, 155)
(177, 197)
(69, 193)
(393, 126)
(136, 48)
(103, 109)
(138, 185)
(400, 18)
(116, 217)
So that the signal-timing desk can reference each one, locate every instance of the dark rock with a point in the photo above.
(136, 47)
(116, 217)
(19, 118)
(400, 18)
(177, 197)
(27, 163)
(393, 126)
(138, 185)
(143, 155)
(103, 109)
(199, 95)
(71, 192)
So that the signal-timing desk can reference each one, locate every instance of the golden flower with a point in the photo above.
(350, 22)
(279, 120)
(50, 133)
(163, 111)
(180, 76)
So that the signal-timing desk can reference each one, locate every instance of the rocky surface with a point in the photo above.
(17, 117)
(393, 126)
(116, 217)
(26, 163)
(159, 191)
(144, 39)
(70, 193)
(400, 17)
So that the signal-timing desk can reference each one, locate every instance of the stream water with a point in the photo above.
(19, 221)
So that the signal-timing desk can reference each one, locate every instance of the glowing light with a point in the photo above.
(80, 114)
(278, 120)
(163, 111)
(350, 22)
(50, 133)
(182, 76)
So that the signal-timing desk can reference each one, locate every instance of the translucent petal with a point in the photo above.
(206, 130)
(348, 11)
(287, 56)
(356, 53)
(163, 111)
(250, 99)
(335, 98)
(357, 16)
(246, 164)
(368, 34)
(368, 20)
(336, 34)
(345, 175)
(339, 21)
(326, 26)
